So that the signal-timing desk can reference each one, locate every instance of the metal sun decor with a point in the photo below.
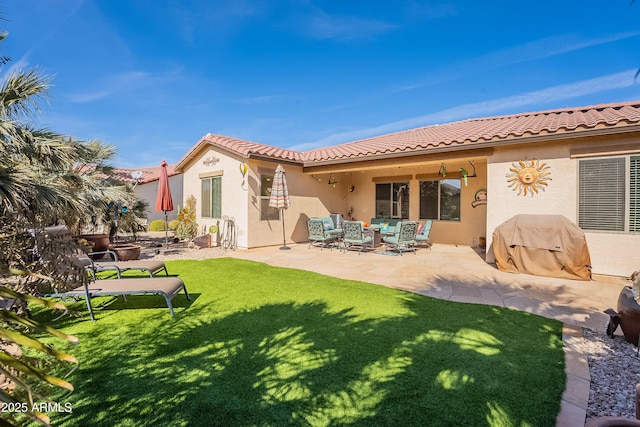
(528, 177)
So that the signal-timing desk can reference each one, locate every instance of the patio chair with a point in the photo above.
(152, 267)
(355, 237)
(322, 232)
(405, 238)
(422, 237)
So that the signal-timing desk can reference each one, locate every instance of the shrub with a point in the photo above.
(156, 225)
(187, 227)
(173, 224)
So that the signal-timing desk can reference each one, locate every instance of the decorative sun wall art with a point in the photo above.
(528, 177)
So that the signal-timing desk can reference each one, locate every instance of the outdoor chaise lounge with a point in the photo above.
(150, 266)
(168, 287)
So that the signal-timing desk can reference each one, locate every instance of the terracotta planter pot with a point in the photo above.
(126, 252)
(100, 241)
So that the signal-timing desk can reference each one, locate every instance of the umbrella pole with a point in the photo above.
(166, 230)
(284, 236)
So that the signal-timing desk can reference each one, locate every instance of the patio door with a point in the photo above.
(392, 200)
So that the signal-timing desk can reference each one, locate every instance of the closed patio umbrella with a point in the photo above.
(280, 198)
(164, 202)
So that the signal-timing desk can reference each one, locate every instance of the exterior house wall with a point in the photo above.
(234, 193)
(148, 192)
(308, 196)
(611, 252)
(241, 201)
(559, 197)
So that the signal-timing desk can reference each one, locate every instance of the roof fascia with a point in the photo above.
(275, 159)
(407, 159)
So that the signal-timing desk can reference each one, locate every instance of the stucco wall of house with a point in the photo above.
(309, 197)
(241, 199)
(559, 197)
(149, 192)
(611, 253)
(234, 192)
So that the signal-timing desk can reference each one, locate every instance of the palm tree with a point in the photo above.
(43, 175)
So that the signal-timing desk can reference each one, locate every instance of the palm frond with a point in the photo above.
(22, 93)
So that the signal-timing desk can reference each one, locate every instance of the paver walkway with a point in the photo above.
(458, 273)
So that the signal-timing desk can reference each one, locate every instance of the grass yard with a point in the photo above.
(266, 346)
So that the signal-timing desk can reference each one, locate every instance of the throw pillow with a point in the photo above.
(328, 224)
(385, 226)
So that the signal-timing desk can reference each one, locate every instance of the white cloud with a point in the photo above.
(113, 84)
(568, 91)
(534, 50)
(324, 26)
(15, 66)
(258, 99)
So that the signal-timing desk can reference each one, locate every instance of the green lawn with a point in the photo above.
(266, 346)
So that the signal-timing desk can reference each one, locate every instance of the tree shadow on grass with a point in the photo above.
(441, 363)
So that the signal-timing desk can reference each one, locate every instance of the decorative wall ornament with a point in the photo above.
(480, 198)
(210, 160)
(443, 170)
(528, 177)
(244, 168)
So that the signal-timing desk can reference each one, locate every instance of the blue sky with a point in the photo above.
(153, 76)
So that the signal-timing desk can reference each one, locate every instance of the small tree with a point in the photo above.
(187, 227)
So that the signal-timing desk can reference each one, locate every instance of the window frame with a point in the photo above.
(392, 200)
(271, 214)
(211, 208)
(439, 206)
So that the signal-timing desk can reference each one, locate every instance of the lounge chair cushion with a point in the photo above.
(147, 265)
(327, 223)
(169, 286)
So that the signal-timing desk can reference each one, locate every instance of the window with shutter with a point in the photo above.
(634, 194)
(609, 194)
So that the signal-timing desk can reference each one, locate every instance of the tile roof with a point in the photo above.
(149, 174)
(462, 134)
(243, 148)
(471, 132)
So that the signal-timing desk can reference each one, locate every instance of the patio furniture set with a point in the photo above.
(395, 235)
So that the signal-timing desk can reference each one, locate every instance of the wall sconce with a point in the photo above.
(332, 181)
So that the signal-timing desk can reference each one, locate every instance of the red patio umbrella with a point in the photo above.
(164, 202)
